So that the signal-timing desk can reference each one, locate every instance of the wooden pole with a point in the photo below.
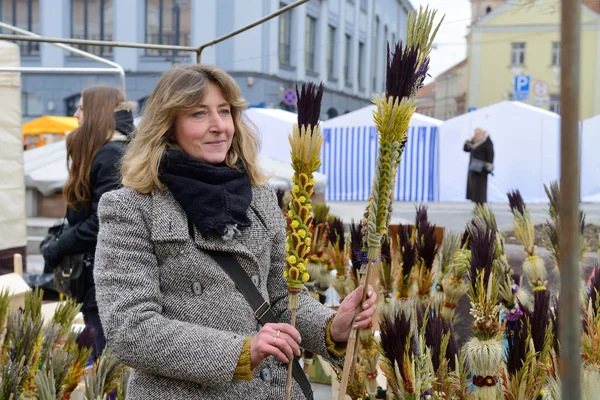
(570, 272)
(288, 385)
(352, 347)
(18, 264)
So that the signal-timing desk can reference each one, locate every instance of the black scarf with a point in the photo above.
(214, 197)
(124, 122)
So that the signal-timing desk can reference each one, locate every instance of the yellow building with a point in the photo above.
(523, 38)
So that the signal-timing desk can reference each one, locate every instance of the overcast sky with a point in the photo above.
(450, 39)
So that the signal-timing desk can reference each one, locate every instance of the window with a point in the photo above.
(517, 55)
(555, 53)
(285, 37)
(332, 113)
(363, 5)
(385, 44)
(347, 58)
(361, 68)
(311, 37)
(31, 105)
(374, 56)
(71, 103)
(331, 52)
(24, 14)
(167, 22)
(93, 20)
(555, 103)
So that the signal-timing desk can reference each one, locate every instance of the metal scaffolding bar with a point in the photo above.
(99, 43)
(570, 270)
(29, 36)
(57, 70)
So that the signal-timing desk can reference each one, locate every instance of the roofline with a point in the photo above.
(499, 10)
(458, 64)
(430, 87)
(509, 3)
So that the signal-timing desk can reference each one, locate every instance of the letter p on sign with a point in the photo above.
(522, 86)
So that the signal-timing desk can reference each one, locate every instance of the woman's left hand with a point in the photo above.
(342, 322)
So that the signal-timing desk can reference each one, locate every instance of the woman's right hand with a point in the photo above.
(279, 340)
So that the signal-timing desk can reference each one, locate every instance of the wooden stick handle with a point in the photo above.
(364, 298)
(288, 384)
(352, 347)
(18, 264)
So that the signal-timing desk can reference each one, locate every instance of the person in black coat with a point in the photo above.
(94, 152)
(481, 163)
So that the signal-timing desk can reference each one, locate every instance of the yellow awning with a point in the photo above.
(50, 124)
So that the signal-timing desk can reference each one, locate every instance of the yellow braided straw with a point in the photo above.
(306, 145)
(392, 117)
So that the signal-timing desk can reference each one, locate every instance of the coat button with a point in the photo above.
(255, 279)
(197, 288)
(265, 374)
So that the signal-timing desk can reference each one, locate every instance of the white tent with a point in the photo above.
(46, 170)
(526, 146)
(590, 161)
(46, 167)
(273, 126)
(350, 151)
(13, 227)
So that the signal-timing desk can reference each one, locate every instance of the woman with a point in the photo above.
(94, 151)
(481, 163)
(193, 186)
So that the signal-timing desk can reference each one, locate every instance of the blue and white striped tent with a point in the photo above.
(350, 150)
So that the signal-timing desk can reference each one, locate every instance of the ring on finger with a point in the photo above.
(274, 340)
(278, 333)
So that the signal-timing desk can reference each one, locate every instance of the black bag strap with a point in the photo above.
(62, 226)
(262, 309)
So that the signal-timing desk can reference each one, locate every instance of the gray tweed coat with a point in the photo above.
(171, 313)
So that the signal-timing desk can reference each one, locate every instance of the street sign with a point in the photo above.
(522, 87)
(541, 89)
(289, 97)
(541, 93)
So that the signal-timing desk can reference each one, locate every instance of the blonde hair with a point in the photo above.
(99, 103)
(181, 89)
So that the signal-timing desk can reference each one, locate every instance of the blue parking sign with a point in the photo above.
(522, 86)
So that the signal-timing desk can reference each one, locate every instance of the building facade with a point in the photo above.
(451, 92)
(425, 99)
(522, 38)
(446, 96)
(339, 42)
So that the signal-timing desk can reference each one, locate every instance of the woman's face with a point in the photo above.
(79, 113)
(205, 133)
